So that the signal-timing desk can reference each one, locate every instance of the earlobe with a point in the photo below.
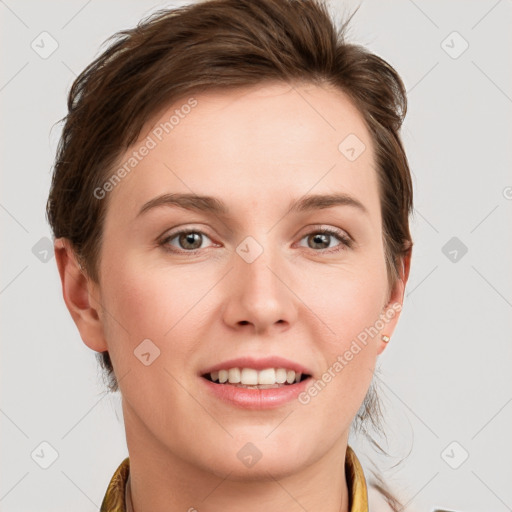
(77, 294)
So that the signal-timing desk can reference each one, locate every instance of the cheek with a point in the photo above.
(347, 299)
(356, 306)
(349, 302)
(157, 304)
(135, 304)
(147, 302)
(352, 349)
(148, 334)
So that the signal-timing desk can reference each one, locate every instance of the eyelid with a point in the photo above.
(170, 235)
(343, 236)
(347, 242)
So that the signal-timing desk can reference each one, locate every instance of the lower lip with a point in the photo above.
(247, 398)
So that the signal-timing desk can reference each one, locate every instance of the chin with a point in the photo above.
(253, 457)
(276, 466)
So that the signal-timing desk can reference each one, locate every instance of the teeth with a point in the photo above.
(267, 376)
(251, 377)
(234, 375)
(280, 375)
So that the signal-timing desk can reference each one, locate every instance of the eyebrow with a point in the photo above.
(213, 205)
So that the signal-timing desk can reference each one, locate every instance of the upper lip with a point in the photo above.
(258, 364)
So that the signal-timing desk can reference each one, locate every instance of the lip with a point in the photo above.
(258, 364)
(247, 398)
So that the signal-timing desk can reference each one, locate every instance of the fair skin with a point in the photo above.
(256, 149)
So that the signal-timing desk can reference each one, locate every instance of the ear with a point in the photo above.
(393, 308)
(81, 296)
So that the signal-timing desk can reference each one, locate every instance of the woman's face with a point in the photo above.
(256, 279)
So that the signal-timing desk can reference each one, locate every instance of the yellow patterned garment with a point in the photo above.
(118, 498)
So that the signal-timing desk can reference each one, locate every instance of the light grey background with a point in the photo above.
(446, 375)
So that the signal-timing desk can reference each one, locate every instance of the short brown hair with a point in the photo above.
(218, 44)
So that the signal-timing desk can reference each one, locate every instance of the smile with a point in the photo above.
(268, 378)
(248, 388)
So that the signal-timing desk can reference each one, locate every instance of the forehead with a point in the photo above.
(244, 143)
(276, 115)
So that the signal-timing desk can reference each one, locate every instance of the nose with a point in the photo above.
(259, 294)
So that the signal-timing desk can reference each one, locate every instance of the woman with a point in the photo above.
(230, 207)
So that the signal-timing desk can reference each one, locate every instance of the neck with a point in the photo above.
(161, 481)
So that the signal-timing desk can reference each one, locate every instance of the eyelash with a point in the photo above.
(346, 241)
